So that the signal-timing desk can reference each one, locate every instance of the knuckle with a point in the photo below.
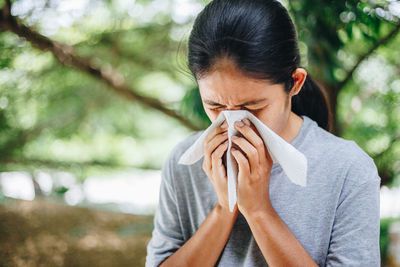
(253, 152)
(214, 156)
(218, 151)
(206, 150)
(209, 136)
(258, 143)
(219, 162)
(221, 137)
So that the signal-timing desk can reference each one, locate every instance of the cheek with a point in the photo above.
(273, 112)
(271, 117)
(276, 118)
(212, 114)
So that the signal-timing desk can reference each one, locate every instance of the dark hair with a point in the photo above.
(259, 37)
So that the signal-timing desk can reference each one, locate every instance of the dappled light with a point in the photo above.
(95, 95)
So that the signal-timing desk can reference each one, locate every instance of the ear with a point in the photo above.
(299, 77)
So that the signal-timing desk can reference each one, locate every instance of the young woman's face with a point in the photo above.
(225, 88)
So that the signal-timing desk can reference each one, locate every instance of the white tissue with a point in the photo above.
(292, 161)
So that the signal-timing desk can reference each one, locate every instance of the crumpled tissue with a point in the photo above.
(292, 161)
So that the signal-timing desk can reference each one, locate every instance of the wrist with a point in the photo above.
(265, 210)
(225, 213)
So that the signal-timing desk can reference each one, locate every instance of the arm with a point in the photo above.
(355, 233)
(168, 246)
(206, 245)
(277, 243)
(356, 228)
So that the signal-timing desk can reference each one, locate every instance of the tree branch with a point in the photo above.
(65, 55)
(7, 8)
(383, 41)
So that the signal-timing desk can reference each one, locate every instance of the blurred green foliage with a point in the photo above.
(53, 116)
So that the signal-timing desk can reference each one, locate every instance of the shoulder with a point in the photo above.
(343, 153)
(361, 167)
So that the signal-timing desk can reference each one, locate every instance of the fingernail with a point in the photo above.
(240, 124)
(226, 142)
(224, 125)
(224, 133)
(234, 137)
(247, 122)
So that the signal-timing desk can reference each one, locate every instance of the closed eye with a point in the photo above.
(251, 110)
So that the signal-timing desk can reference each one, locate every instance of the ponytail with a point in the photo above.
(312, 101)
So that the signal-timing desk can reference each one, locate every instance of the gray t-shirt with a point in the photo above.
(335, 217)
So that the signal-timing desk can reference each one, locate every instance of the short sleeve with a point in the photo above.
(166, 235)
(356, 228)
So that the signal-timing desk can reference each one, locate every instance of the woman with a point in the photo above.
(244, 55)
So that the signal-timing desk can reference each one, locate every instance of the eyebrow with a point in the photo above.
(252, 102)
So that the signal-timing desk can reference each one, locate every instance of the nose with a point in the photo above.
(233, 108)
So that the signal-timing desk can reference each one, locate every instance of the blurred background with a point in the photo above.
(94, 94)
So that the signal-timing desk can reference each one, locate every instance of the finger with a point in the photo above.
(206, 164)
(252, 126)
(250, 151)
(215, 142)
(252, 136)
(215, 131)
(244, 168)
(217, 159)
(210, 145)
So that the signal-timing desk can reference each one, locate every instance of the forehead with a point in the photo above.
(226, 83)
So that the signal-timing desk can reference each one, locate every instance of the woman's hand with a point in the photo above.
(215, 145)
(254, 164)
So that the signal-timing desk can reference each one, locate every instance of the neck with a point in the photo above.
(292, 128)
